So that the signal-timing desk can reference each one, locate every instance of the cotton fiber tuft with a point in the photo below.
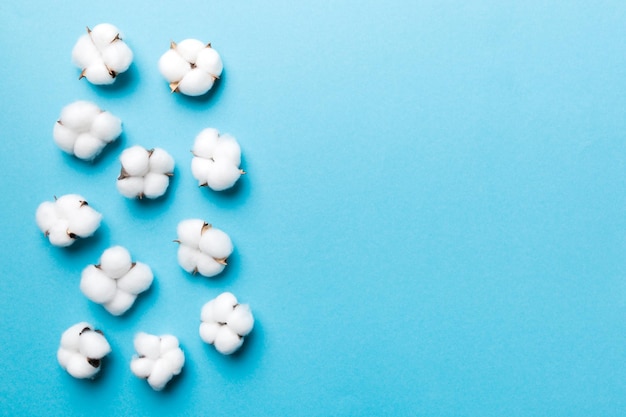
(81, 350)
(203, 248)
(158, 359)
(216, 160)
(225, 322)
(66, 219)
(145, 173)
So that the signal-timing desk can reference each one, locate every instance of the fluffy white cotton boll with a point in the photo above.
(216, 243)
(227, 341)
(121, 303)
(216, 160)
(208, 332)
(85, 221)
(155, 185)
(161, 162)
(81, 350)
(106, 127)
(172, 66)
(79, 115)
(96, 285)
(207, 266)
(97, 73)
(223, 306)
(64, 137)
(222, 175)
(148, 345)
(59, 236)
(241, 320)
(130, 187)
(80, 368)
(135, 161)
(196, 83)
(142, 367)
(165, 359)
(115, 262)
(87, 146)
(191, 67)
(145, 173)
(137, 280)
(205, 143)
(210, 61)
(190, 231)
(93, 345)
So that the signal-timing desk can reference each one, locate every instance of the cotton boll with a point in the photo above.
(174, 359)
(189, 49)
(70, 339)
(190, 231)
(142, 367)
(223, 306)
(147, 345)
(85, 221)
(208, 332)
(147, 171)
(64, 137)
(155, 185)
(135, 161)
(97, 73)
(96, 285)
(216, 243)
(241, 320)
(196, 83)
(106, 127)
(46, 216)
(84, 52)
(137, 280)
(58, 235)
(87, 146)
(104, 34)
(121, 303)
(188, 258)
(205, 143)
(207, 266)
(172, 66)
(117, 56)
(161, 162)
(94, 345)
(79, 367)
(209, 61)
(130, 187)
(81, 350)
(227, 341)
(222, 175)
(115, 262)
(79, 115)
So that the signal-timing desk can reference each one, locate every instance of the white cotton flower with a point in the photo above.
(191, 67)
(66, 219)
(216, 160)
(158, 359)
(145, 173)
(101, 54)
(116, 281)
(81, 350)
(203, 249)
(83, 130)
(225, 322)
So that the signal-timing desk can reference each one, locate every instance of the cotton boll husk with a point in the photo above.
(223, 306)
(161, 162)
(172, 66)
(106, 127)
(58, 235)
(137, 280)
(200, 169)
(46, 215)
(147, 345)
(222, 175)
(87, 146)
(115, 262)
(79, 368)
(96, 285)
(120, 303)
(97, 73)
(142, 367)
(174, 359)
(117, 56)
(135, 160)
(216, 243)
(208, 332)
(85, 221)
(241, 320)
(229, 149)
(205, 143)
(168, 342)
(130, 187)
(84, 52)
(227, 341)
(188, 258)
(103, 34)
(209, 60)
(189, 49)
(160, 375)
(208, 266)
(64, 137)
(206, 314)
(79, 115)
(64, 356)
(70, 339)
(155, 185)
(93, 345)
(190, 231)
(195, 83)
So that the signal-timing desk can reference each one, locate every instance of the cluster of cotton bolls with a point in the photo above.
(83, 129)
(66, 219)
(203, 248)
(82, 349)
(216, 160)
(145, 173)
(116, 281)
(225, 322)
(158, 359)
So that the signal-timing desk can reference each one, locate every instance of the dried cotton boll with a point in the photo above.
(191, 67)
(116, 281)
(202, 248)
(225, 322)
(216, 160)
(81, 350)
(158, 359)
(83, 130)
(145, 173)
(101, 54)
(66, 219)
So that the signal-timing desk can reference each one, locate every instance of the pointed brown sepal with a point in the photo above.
(116, 38)
(242, 172)
(94, 362)
(82, 74)
(206, 226)
(123, 175)
(150, 152)
(169, 174)
(195, 271)
(88, 30)
(208, 45)
(176, 241)
(174, 86)
(172, 45)
(83, 203)
(221, 261)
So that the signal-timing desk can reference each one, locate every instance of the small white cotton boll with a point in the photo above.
(121, 303)
(94, 345)
(200, 168)
(46, 216)
(210, 61)
(222, 175)
(227, 341)
(85, 221)
(168, 342)
(135, 161)
(196, 83)
(174, 360)
(155, 185)
(216, 243)
(207, 266)
(189, 49)
(106, 127)
(223, 306)
(115, 262)
(160, 375)
(188, 258)
(228, 149)
(241, 320)
(172, 66)
(117, 56)
(79, 367)
(207, 314)
(161, 162)
(70, 339)
(79, 115)
(104, 34)
(87, 146)
(205, 143)
(84, 52)
(190, 231)
(58, 235)
(142, 367)
(137, 280)
(147, 345)
(98, 74)
(64, 137)
(96, 285)
(130, 187)
(208, 332)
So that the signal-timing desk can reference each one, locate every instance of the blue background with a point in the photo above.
(433, 220)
